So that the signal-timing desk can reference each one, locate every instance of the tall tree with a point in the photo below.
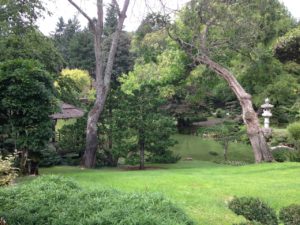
(27, 100)
(103, 74)
(19, 36)
(210, 32)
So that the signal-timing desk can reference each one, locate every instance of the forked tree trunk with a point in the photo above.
(254, 131)
(103, 74)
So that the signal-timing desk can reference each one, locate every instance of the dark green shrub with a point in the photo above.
(49, 157)
(213, 153)
(280, 154)
(72, 137)
(59, 201)
(132, 159)
(290, 215)
(254, 209)
(70, 159)
(220, 113)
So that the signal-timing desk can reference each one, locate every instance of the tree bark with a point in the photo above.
(259, 145)
(142, 157)
(142, 150)
(103, 76)
(89, 156)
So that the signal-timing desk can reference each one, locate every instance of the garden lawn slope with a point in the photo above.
(209, 150)
(202, 189)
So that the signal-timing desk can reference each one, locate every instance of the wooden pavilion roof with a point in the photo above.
(68, 111)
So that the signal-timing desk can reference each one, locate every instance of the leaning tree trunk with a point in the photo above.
(254, 131)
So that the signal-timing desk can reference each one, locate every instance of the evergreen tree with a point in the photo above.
(27, 100)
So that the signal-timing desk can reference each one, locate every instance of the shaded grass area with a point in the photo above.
(201, 149)
(202, 189)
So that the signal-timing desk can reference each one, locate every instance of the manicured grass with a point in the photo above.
(199, 149)
(202, 189)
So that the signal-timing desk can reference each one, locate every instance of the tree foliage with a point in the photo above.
(287, 47)
(17, 16)
(27, 100)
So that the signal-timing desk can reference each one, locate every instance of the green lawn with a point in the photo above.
(201, 188)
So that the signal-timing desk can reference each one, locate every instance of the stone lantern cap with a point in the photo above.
(267, 104)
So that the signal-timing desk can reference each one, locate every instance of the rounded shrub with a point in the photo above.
(59, 201)
(254, 209)
(290, 215)
(280, 154)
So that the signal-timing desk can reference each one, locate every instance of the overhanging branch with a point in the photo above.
(83, 13)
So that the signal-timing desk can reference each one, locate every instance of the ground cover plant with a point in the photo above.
(254, 209)
(60, 201)
(290, 215)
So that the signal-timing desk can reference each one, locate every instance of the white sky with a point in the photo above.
(136, 12)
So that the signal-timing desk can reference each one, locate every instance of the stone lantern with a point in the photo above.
(266, 115)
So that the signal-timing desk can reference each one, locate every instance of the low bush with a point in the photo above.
(281, 154)
(49, 157)
(254, 209)
(59, 201)
(7, 171)
(213, 153)
(220, 113)
(290, 215)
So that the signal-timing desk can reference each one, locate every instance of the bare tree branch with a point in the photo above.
(100, 16)
(83, 13)
(114, 44)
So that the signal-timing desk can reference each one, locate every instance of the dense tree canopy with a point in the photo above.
(27, 100)
(287, 47)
